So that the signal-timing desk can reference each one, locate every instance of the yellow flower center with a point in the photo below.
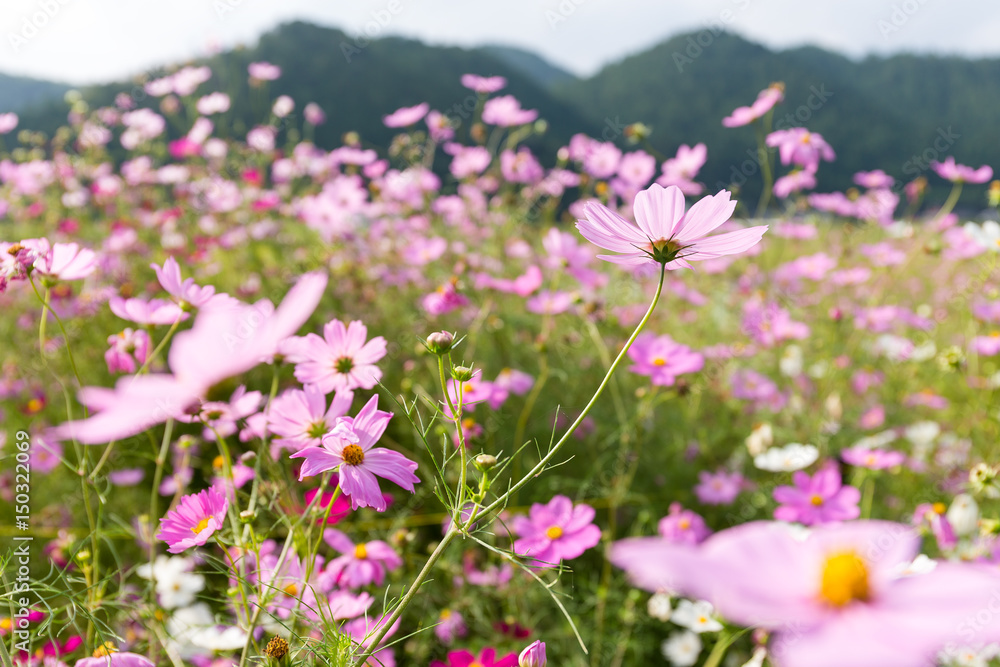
(939, 508)
(845, 579)
(34, 405)
(659, 361)
(291, 590)
(554, 532)
(360, 551)
(445, 614)
(806, 138)
(218, 463)
(6, 624)
(105, 649)
(684, 524)
(353, 455)
(202, 525)
(816, 500)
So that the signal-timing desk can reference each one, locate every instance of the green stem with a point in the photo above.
(454, 528)
(764, 157)
(949, 204)
(540, 466)
(719, 650)
(410, 593)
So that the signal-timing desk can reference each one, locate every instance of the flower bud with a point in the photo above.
(440, 342)
(484, 462)
(533, 656)
(963, 515)
(461, 373)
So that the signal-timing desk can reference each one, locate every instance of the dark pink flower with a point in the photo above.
(349, 449)
(193, 521)
(683, 526)
(555, 531)
(360, 564)
(818, 499)
(486, 658)
(663, 359)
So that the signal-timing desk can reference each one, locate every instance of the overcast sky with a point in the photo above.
(88, 41)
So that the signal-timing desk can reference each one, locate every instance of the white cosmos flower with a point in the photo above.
(682, 648)
(793, 456)
(176, 585)
(987, 235)
(659, 606)
(696, 616)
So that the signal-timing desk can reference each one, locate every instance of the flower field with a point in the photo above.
(455, 402)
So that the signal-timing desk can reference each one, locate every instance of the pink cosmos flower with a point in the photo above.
(349, 449)
(818, 499)
(663, 359)
(841, 595)
(8, 121)
(682, 169)
(800, 146)
(66, 261)
(720, 487)
(263, 71)
(225, 341)
(361, 564)
(129, 349)
(765, 101)
(300, 418)
(193, 521)
(405, 116)
(637, 168)
(314, 114)
(663, 232)
(555, 531)
(794, 181)
(683, 526)
(506, 111)
(932, 517)
(483, 84)
(533, 655)
(987, 311)
(450, 625)
(186, 292)
(987, 346)
(768, 324)
(874, 179)
(509, 381)
(520, 167)
(926, 398)
(468, 160)
(959, 173)
(873, 459)
(486, 658)
(124, 659)
(339, 361)
(548, 302)
(602, 159)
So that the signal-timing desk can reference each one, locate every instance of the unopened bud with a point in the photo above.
(533, 656)
(484, 462)
(440, 342)
(461, 373)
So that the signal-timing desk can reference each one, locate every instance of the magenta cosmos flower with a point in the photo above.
(555, 531)
(506, 111)
(340, 360)
(487, 658)
(663, 232)
(821, 498)
(483, 84)
(349, 449)
(959, 173)
(115, 660)
(194, 520)
(843, 594)
(663, 359)
(360, 564)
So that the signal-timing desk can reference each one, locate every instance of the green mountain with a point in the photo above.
(357, 82)
(19, 92)
(893, 113)
(540, 71)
